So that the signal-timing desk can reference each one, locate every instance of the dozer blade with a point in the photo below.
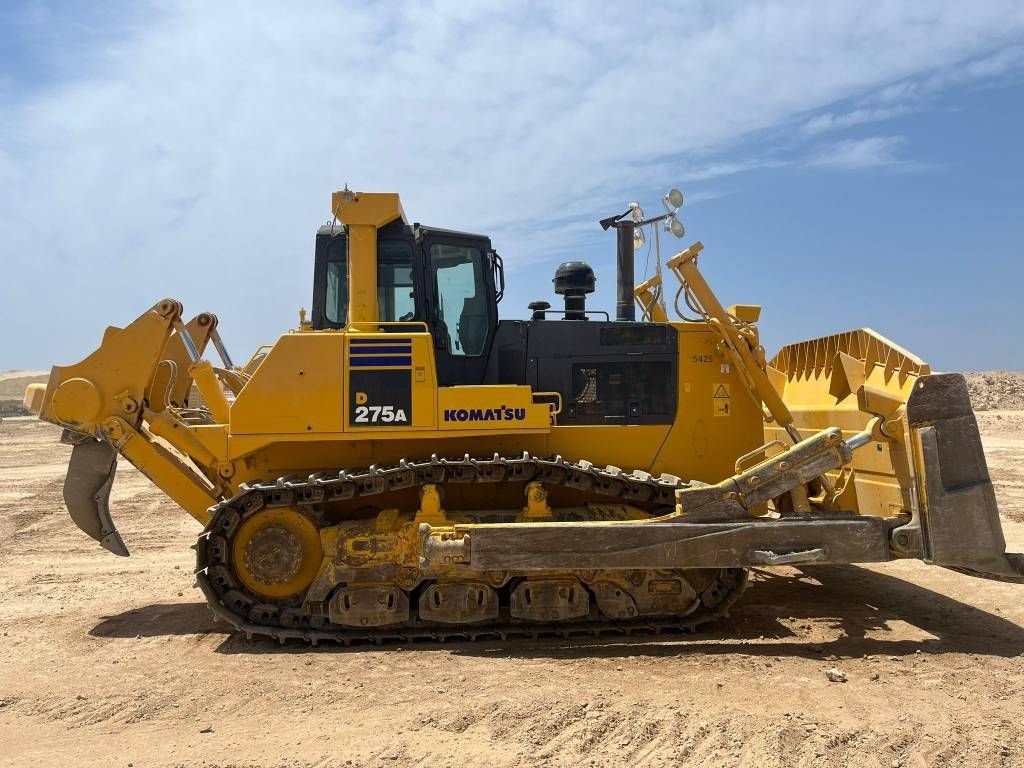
(87, 492)
(959, 518)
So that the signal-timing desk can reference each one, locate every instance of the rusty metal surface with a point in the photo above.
(669, 544)
(87, 492)
(959, 517)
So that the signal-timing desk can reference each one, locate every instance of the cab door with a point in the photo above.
(462, 305)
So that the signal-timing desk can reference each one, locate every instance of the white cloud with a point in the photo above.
(907, 96)
(830, 121)
(193, 155)
(857, 154)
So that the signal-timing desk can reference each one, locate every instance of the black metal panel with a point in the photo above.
(507, 361)
(606, 373)
(380, 398)
(628, 371)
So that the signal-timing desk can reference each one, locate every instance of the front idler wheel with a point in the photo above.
(276, 553)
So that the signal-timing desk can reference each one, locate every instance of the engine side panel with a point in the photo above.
(657, 397)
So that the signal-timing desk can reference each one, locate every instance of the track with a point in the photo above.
(283, 621)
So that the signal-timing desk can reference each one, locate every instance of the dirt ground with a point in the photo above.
(114, 662)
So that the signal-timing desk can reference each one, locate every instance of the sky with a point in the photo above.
(845, 164)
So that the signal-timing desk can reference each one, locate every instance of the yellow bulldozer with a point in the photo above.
(407, 466)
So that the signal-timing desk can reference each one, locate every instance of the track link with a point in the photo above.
(254, 616)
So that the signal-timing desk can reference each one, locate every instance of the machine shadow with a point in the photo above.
(161, 620)
(854, 602)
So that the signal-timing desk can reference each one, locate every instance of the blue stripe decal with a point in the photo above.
(381, 362)
(381, 341)
(391, 350)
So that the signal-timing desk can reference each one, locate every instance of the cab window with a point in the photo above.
(396, 300)
(462, 308)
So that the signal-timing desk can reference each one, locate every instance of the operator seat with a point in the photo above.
(472, 326)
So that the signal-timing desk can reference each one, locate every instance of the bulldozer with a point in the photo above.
(407, 466)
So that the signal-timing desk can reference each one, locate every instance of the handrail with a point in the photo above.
(554, 407)
(388, 326)
(256, 359)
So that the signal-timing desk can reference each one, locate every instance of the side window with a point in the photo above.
(396, 299)
(464, 316)
(336, 308)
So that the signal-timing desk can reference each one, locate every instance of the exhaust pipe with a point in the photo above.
(625, 304)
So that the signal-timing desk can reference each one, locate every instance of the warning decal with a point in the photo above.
(721, 400)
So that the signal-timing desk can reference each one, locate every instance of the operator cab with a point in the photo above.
(451, 281)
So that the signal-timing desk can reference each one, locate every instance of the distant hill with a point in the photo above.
(996, 390)
(12, 390)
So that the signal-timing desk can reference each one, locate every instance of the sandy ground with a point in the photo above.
(114, 662)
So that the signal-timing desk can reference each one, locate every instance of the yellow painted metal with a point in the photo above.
(192, 492)
(211, 390)
(537, 507)
(105, 396)
(363, 213)
(646, 297)
(850, 380)
(291, 411)
(172, 380)
(277, 552)
(703, 441)
(745, 313)
(292, 416)
(300, 392)
(491, 407)
(112, 381)
(297, 389)
(431, 511)
(34, 396)
(740, 339)
(184, 440)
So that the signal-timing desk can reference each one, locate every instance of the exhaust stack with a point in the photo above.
(625, 306)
